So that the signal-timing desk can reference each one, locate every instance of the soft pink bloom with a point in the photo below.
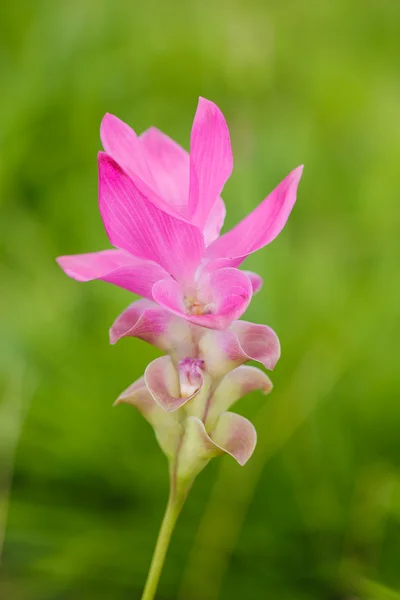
(163, 213)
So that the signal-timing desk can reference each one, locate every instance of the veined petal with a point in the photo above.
(261, 226)
(123, 145)
(211, 160)
(215, 221)
(114, 266)
(135, 224)
(236, 436)
(256, 281)
(169, 164)
(162, 380)
(222, 297)
(235, 385)
(226, 350)
(166, 425)
(149, 322)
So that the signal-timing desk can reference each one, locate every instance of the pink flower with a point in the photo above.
(163, 213)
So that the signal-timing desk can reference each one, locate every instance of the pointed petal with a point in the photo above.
(223, 297)
(215, 221)
(235, 385)
(166, 425)
(211, 160)
(236, 436)
(261, 226)
(114, 266)
(123, 145)
(138, 226)
(169, 164)
(153, 324)
(162, 380)
(226, 350)
(256, 281)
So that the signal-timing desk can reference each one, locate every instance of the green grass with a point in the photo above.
(315, 515)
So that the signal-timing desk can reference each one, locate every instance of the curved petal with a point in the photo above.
(135, 224)
(169, 164)
(233, 435)
(162, 380)
(256, 281)
(114, 266)
(226, 350)
(149, 322)
(166, 426)
(258, 342)
(214, 222)
(211, 160)
(235, 385)
(223, 296)
(261, 226)
(236, 436)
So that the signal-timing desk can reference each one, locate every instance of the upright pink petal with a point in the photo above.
(214, 222)
(138, 226)
(123, 145)
(163, 382)
(153, 324)
(114, 266)
(235, 385)
(211, 160)
(222, 296)
(261, 226)
(169, 164)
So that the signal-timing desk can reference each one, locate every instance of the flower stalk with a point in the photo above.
(176, 501)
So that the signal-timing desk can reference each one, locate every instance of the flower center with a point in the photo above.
(190, 376)
(194, 306)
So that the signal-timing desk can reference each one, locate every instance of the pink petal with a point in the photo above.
(226, 350)
(235, 385)
(256, 281)
(114, 266)
(123, 145)
(149, 322)
(261, 226)
(166, 426)
(222, 297)
(236, 436)
(169, 164)
(138, 226)
(162, 380)
(211, 160)
(215, 221)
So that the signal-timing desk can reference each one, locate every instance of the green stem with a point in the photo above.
(174, 506)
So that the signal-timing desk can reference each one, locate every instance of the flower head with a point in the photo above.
(163, 213)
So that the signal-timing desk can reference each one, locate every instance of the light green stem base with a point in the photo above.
(174, 506)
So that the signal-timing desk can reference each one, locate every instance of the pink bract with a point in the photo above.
(162, 211)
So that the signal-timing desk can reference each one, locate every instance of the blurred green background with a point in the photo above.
(315, 515)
